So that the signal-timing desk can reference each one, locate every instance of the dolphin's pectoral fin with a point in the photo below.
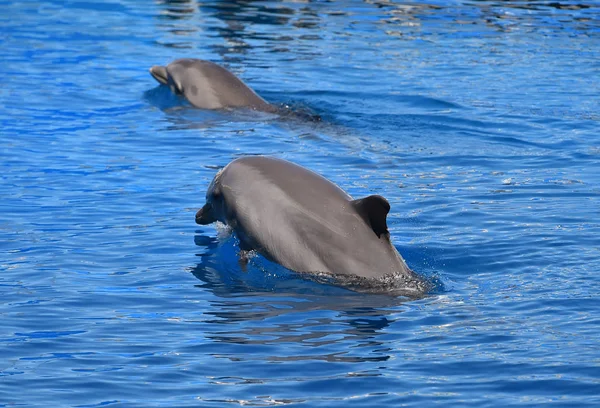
(160, 74)
(374, 210)
(205, 215)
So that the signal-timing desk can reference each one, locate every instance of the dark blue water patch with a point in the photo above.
(162, 97)
(219, 268)
(47, 335)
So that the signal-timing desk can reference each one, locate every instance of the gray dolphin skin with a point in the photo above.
(207, 85)
(304, 222)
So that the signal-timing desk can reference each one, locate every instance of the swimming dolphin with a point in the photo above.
(207, 85)
(306, 223)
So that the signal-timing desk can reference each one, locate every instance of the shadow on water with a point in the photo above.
(220, 270)
(162, 98)
(294, 116)
(222, 274)
(268, 305)
(178, 109)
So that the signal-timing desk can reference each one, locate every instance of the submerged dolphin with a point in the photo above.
(207, 85)
(306, 223)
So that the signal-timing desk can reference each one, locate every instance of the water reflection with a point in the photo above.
(243, 25)
(504, 16)
(249, 25)
(269, 305)
(244, 12)
(176, 9)
(176, 17)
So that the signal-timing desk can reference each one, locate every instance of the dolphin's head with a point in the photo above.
(214, 209)
(206, 85)
(165, 76)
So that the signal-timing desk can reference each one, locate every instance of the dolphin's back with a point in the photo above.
(302, 220)
(207, 85)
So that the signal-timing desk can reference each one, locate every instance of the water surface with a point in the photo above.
(477, 120)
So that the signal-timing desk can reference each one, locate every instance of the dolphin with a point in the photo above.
(207, 85)
(306, 223)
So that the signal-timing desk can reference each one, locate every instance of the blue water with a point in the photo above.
(478, 120)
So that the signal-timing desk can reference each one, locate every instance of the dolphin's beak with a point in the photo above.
(205, 215)
(160, 74)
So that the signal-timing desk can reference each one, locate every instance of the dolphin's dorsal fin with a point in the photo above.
(374, 210)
